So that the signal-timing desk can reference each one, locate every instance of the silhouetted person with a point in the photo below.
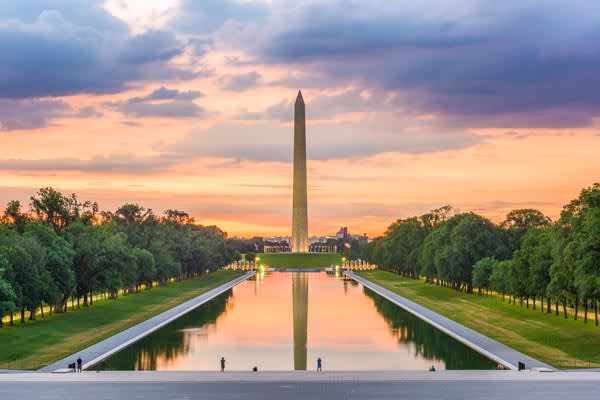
(79, 362)
(319, 364)
(222, 364)
(432, 369)
(255, 369)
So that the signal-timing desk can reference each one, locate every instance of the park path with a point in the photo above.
(101, 350)
(490, 348)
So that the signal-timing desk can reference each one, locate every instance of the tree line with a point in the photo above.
(63, 249)
(526, 258)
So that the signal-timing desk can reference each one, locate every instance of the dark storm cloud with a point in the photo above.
(67, 47)
(510, 61)
(163, 103)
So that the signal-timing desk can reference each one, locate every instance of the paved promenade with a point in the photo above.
(490, 348)
(113, 344)
(449, 385)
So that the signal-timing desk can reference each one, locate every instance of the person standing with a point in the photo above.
(319, 364)
(222, 364)
(79, 362)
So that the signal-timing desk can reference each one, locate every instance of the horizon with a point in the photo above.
(187, 105)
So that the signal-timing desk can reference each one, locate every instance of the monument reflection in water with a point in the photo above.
(300, 304)
(272, 323)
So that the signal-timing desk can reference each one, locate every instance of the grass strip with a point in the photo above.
(36, 344)
(562, 343)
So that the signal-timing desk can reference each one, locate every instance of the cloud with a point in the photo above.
(163, 103)
(151, 46)
(502, 64)
(89, 112)
(328, 106)
(61, 52)
(206, 16)
(162, 93)
(116, 163)
(200, 46)
(30, 114)
(241, 82)
(370, 136)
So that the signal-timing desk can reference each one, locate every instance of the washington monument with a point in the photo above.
(299, 208)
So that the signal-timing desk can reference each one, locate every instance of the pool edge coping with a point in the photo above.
(404, 303)
(192, 304)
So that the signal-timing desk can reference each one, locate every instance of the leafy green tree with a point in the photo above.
(535, 255)
(482, 271)
(14, 216)
(499, 279)
(145, 267)
(26, 280)
(518, 222)
(472, 239)
(58, 263)
(7, 294)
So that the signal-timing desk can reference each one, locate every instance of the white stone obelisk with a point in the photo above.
(299, 208)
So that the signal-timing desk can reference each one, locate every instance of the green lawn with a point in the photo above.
(36, 344)
(299, 260)
(562, 343)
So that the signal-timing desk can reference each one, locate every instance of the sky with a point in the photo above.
(487, 106)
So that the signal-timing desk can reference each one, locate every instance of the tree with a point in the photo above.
(499, 279)
(482, 271)
(13, 216)
(472, 239)
(26, 279)
(518, 222)
(7, 294)
(575, 251)
(58, 263)
(145, 267)
(537, 245)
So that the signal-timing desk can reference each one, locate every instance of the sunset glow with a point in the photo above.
(188, 105)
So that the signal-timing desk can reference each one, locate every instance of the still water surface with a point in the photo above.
(285, 321)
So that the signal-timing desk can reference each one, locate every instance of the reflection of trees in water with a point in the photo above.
(171, 341)
(429, 343)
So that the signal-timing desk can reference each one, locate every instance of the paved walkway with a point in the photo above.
(459, 385)
(490, 348)
(101, 350)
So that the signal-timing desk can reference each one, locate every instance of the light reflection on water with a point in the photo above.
(285, 321)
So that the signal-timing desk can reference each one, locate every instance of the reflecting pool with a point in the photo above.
(286, 321)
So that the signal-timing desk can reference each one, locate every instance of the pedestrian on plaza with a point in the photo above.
(432, 369)
(222, 364)
(79, 362)
(319, 364)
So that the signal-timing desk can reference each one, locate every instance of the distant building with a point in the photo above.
(282, 247)
(322, 248)
(342, 233)
(362, 238)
